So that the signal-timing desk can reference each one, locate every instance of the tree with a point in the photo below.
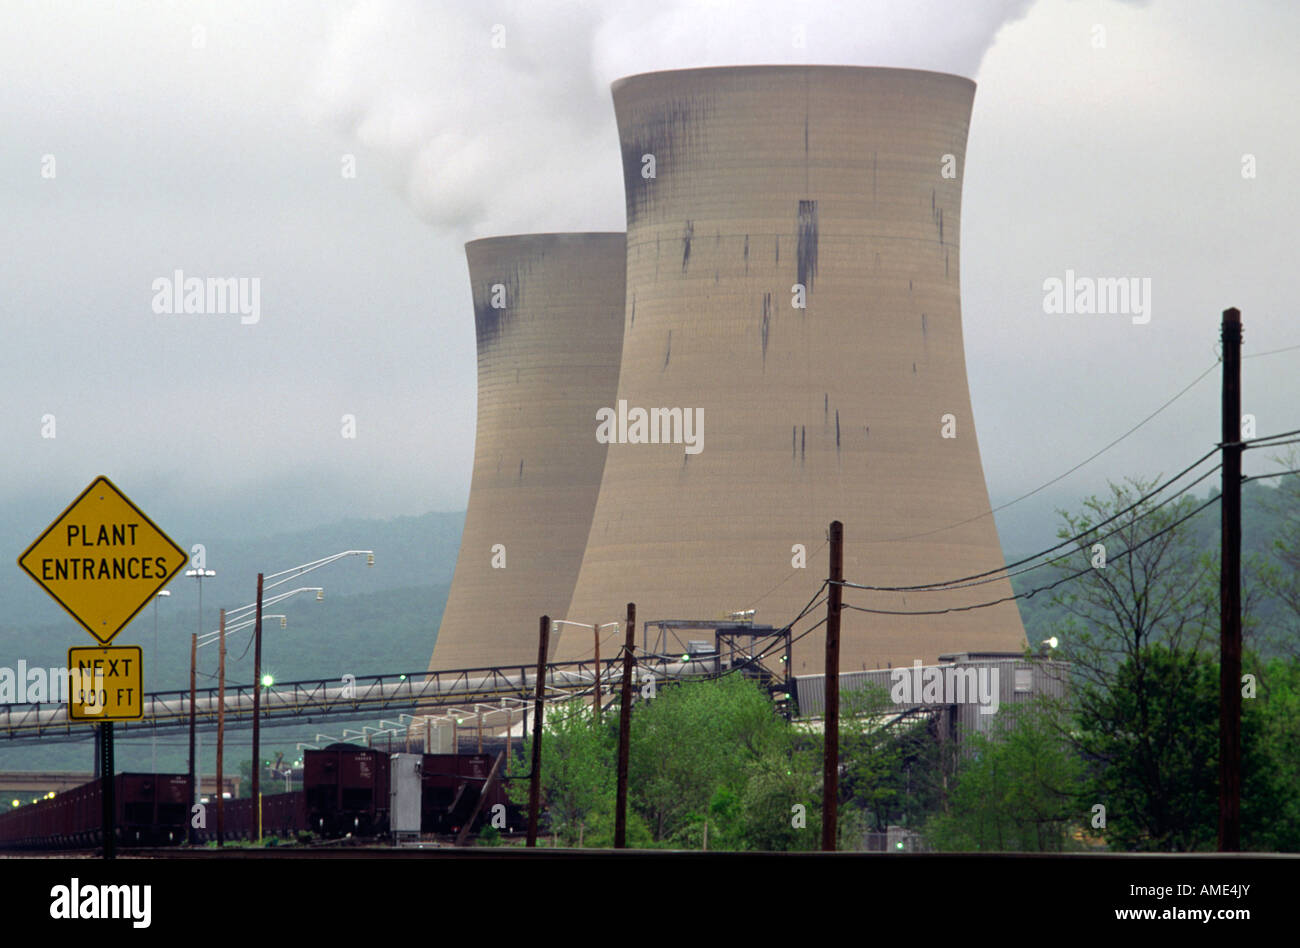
(1271, 758)
(1147, 581)
(1141, 611)
(693, 739)
(1151, 743)
(1152, 749)
(1281, 577)
(1143, 639)
(1015, 789)
(577, 774)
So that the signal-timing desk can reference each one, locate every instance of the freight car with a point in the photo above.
(451, 785)
(284, 815)
(345, 793)
(151, 810)
(346, 789)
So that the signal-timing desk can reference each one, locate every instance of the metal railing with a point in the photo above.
(351, 696)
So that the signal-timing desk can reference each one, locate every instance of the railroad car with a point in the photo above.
(150, 810)
(346, 788)
(451, 785)
(284, 815)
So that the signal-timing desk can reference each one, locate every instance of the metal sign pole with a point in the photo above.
(106, 788)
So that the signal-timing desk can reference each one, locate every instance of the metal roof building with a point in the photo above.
(966, 689)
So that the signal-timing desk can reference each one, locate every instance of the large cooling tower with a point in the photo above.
(548, 314)
(742, 183)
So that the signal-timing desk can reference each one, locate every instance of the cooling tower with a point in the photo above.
(548, 316)
(793, 281)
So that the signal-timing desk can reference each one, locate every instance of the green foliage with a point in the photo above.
(693, 739)
(1015, 788)
(1270, 809)
(774, 786)
(578, 768)
(892, 770)
(1152, 746)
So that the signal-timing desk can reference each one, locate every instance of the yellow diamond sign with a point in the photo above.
(102, 560)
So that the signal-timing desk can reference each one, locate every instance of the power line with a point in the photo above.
(1061, 477)
(1104, 536)
(995, 573)
(791, 575)
(1256, 355)
(1032, 592)
(1280, 434)
(1258, 477)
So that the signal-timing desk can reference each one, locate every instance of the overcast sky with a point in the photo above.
(212, 138)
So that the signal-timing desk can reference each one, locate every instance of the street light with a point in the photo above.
(211, 637)
(280, 578)
(198, 574)
(154, 751)
(595, 630)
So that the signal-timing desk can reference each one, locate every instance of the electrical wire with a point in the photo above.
(1032, 592)
(1061, 477)
(995, 573)
(1260, 477)
(1281, 434)
(1257, 355)
(1096, 539)
(792, 574)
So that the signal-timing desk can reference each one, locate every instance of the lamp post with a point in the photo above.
(209, 638)
(595, 630)
(280, 578)
(154, 750)
(198, 574)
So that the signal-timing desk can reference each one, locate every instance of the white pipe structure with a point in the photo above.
(304, 697)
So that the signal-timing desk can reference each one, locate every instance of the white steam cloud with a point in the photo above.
(496, 118)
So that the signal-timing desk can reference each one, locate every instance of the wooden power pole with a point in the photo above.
(1230, 593)
(221, 730)
(535, 778)
(831, 716)
(624, 729)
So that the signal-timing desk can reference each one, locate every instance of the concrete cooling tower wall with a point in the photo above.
(793, 283)
(548, 313)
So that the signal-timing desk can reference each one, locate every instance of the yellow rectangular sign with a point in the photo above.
(105, 684)
(103, 560)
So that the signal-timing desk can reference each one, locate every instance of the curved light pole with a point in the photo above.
(595, 630)
(241, 613)
(198, 574)
(282, 577)
(209, 638)
(154, 750)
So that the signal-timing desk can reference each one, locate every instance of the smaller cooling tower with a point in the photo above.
(548, 313)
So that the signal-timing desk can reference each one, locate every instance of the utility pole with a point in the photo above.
(221, 730)
(535, 778)
(624, 729)
(1230, 592)
(195, 789)
(257, 693)
(596, 701)
(831, 716)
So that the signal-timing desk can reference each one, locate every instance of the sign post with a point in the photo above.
(103, 560)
